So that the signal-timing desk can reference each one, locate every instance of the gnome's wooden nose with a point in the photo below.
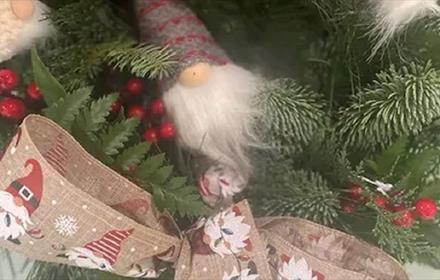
(195, 75)
(23, 9)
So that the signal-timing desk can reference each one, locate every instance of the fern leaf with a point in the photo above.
(150, 166)
(132, 156)
(66, 109)
(94, 116)
(114, 138)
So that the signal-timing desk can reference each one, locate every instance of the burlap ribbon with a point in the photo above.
(59, 204)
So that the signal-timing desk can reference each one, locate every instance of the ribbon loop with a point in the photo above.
(82, 213)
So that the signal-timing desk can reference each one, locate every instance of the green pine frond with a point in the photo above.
(292, 115)
(66, 109)
(114, 138)
(143, 60)
(400, 102)
(404, 244)
(299, 193)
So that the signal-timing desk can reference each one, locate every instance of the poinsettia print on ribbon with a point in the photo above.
(100, 254)
(291, 269)
(19, 201)
(224, 234)
(245, 274)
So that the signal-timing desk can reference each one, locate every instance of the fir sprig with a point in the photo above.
(400, 102)
(292, 115)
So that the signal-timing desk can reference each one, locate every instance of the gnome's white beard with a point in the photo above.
(14, 220)
(392, 16)
(17, 35)
(216, 119)
(84, 257)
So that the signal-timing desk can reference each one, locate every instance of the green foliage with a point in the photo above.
(143, 60)
(299, 193)
(66, 109)
(48, 271)
(51, 88)
(404, 244)
(401, 102)
(115, 137)
(292, 115)
(108, 140)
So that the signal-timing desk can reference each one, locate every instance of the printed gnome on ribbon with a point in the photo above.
(18, 202)
(210, 98)
(99, 254)
(22, 22)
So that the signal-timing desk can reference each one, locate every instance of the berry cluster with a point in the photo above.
(423, 208)
(13, 107)
(152, 115)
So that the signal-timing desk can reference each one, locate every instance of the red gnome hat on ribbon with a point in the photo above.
(29, 188)
(110, 244)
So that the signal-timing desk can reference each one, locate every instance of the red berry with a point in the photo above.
(157, 107)
(116, 107)
(151, 135)
(426, 208)
(136, 111)
(8, 80)
(404, 220)
(381, 201)
(347, 207)
(134, 86)
(12, 108)
(33, 92)
(167, 130)
(355, 191)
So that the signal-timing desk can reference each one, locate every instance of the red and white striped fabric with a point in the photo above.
(57, 156)
(110, 244)
(171, 23)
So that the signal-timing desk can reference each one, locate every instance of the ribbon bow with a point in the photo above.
(59, 204)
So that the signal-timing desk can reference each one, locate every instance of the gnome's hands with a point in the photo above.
(195, 75)
(23, 9)
(219, 184)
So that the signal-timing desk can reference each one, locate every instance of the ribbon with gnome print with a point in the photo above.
(59, 204)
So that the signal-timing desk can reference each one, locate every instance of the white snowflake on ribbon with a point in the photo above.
(66, 226)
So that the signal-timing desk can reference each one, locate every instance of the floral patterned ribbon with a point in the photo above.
(59, 204)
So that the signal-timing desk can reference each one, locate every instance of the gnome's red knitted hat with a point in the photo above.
(29, 188)
(171, 23)
(110, 244)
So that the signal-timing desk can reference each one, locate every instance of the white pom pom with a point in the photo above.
(392, 16)
(216, 118)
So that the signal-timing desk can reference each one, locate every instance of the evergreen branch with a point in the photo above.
(399, 103)
(292, 115)
(302, 194)
(114, 138)
(143, 60)
(404, 244)
(49, 271)
(94, 116)
(66, 109)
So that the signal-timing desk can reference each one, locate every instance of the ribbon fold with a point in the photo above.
(90, 216)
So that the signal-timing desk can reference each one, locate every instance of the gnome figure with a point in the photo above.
(210, 98)
(19, 201)
(100, 254)
(22, 22)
